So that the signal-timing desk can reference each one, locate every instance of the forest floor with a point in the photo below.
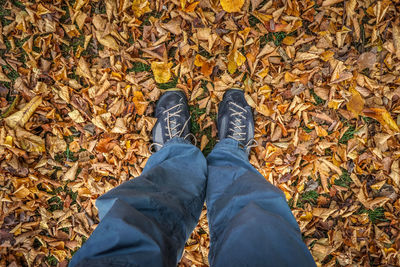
(78, 84)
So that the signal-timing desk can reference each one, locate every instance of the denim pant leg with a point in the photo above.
(146, 221)
(250, 221)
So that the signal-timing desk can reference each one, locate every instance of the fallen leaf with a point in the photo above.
(161, 71)
(232, 5)
(22, 116)
(108, 41)
(76, 116)
(71, 173)
(356, 103)
(383, 116)
(140, 7)
(29, 142)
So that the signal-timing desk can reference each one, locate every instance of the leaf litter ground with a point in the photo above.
(78, 84)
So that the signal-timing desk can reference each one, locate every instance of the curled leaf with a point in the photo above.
(22, 116)
(383, 116)
(29, 142)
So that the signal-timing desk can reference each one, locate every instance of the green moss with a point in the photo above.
(195, 113)
(307, 197)
(349, 134)
(375, 216)
(52, 261)
(139, 67)
(18, 4)
(318, 100)
(55, 203)
(168, 85)
(344, 180)
(253, 21)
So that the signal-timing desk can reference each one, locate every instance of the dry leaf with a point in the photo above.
(21, 117)
(76, 116)
(232, 5)
(29, 142)
(140, 7)
(356, 103)
(161, 71)
(71, 173)
(108, 41)
(383, 116)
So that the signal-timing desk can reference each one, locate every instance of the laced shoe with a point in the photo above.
(173, 118)
(235, 119)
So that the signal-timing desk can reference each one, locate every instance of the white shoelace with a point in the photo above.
(239, 131)
(173, 126)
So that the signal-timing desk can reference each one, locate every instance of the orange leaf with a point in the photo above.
(356, 103)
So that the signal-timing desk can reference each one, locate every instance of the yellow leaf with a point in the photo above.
(8, 141)
(191, 7)
(235, 60)
(204, 142)
(140, 103)
(232, 67)
(289, 77)
(263, 73)
(378, 185)
(76, 116)
(161, 71)
(327, 55)
(232, 5)
(29, 142)
(79, 4)
(334, 103)
(387, 118)
(244, 33)
(383, 116)
(306, 217)
(109, 42)
(140, 7)
(287, 195)
(22, 116)
(321, 132)
(289, 40)
(59, 254)
(356, 103)
(239, 59)
(199, 61)
(263, 109)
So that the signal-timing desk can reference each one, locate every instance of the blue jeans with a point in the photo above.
(147, 220)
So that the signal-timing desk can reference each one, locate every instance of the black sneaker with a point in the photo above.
(173, 118)
(235, 119)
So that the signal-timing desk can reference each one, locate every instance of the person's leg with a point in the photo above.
(146, 221)
(250, 221)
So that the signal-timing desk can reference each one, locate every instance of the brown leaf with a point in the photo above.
(22, 116)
